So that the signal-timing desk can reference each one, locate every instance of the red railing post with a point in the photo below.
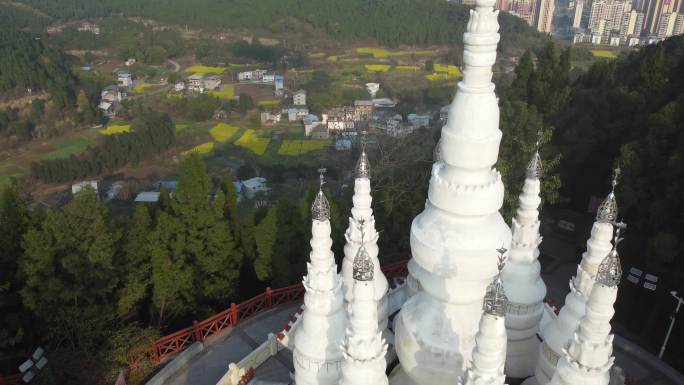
(234, 313)
(196, 333)
(269, 296)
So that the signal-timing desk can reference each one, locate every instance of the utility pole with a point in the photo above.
(673, 317)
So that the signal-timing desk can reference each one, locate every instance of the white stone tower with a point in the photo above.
(363, 221)
(521, 278)
(557, 335)
(588, 359)
(489, 356)
(317, 356)
(364, 348)
(452, 239)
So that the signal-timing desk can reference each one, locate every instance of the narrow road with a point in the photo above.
(174, 64)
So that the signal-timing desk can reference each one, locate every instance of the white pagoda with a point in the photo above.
(364, 348)
(317, 355)
(557, 335)
(361, 232)
(453, 238)
(588, 359)
(522, 280)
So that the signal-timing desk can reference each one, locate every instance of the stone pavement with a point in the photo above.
(233, 345)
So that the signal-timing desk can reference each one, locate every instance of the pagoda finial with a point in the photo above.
(363, 166)
(495, 300)
(608, 210)
(609, 271)
(320, 209)
(534, 168)
(363, 264)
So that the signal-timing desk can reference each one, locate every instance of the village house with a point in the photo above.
(384, 103)
(310, 122)
(89, 27)
(299, 98)
(269, 78)
(320, 132)
(278, 85)
(195, 83)
(179, 86)
(107, 109)
(296, 113)
(363, 110)
(270, 117)
(130, 62)
(251, 187)
(124, 79)
(251, 76)
(81, 186)
(343, 145)
(211, 82)
(418, 121)
(111, 94)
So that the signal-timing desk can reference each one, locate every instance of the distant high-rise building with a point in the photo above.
(639, 25)
(503, 5)
(607, 16)
(544, 13)
(630, 24)
(524, 9)
(577, 16)
(679, 25)
(666, 25)
(652, 11)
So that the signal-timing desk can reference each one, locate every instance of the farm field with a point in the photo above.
(269, 102)
(228, 92)
(603, 54)
(114, 129)
(67, 147)
(140, 88)
(250, 141)
(200, 149)
(380, 53)
(291, 147)
(222, 132)
(204, 70)
(377, 67)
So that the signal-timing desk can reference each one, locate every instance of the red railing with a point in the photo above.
(14, 379)
(199, 331)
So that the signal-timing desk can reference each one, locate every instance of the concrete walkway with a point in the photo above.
(233, 345)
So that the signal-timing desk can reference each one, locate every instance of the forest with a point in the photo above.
(152, 133)
(390, 22)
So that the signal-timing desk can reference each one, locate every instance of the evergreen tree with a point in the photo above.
(70, 279)
(265, 237)
(134, 264)
(14, 220)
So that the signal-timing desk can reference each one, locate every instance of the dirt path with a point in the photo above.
(176, 66)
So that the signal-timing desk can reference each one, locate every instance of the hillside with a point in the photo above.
(391, 22)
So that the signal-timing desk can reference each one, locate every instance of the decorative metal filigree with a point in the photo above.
(320, 209)
(495, 300)
(609, 271)
(363, 267)
(608, 210)
(534, 168)
(363, 169)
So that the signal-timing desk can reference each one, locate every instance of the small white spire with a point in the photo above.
(609, 271)
(608, 210)
(495, 300)
(534, 168)
(320, 209)
(363, 169)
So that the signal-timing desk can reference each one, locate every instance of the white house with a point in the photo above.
(80, 186)
(270, 117)
(147, 197)
(269, 78)
(179, 86)
(124, 79)
(310, 122)
(251, 76)
(251, 187)
(299, 98)
(296, 113)
(196, 83)
(211, 82)
(107, 109)
(111, 94)
(418, 121)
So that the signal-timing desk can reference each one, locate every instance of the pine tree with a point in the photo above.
(265, 237)
(135, 266)
(69, 273)
(14, 220)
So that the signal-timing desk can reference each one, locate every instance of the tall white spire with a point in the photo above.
(557, 335)
(363, 221)
(589, 358)
(317, 355)
(364, 348)
(522, 280)
(489, 355)
(452, 239)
